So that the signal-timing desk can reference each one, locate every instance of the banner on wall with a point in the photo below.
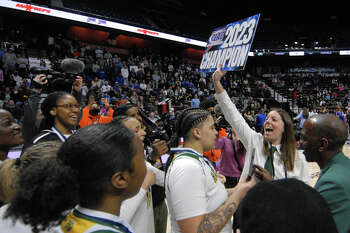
(230, 45)
(31, 8)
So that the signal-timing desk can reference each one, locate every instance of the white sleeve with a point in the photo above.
(130, 206)
(186, 185)
(304, 169)
(235, 118)
(159, 174)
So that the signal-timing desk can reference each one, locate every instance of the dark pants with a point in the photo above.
(231, 182)
(160, 214)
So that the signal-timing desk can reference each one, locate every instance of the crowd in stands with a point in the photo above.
(313, 88)
(144, 78)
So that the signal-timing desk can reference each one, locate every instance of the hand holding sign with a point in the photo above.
(217, 75)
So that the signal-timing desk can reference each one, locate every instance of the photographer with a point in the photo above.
(91, 114)
(159, 147)
(68, 81)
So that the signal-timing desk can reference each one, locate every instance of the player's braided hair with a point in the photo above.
(185, 121)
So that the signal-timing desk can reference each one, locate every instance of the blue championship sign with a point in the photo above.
(230, 45)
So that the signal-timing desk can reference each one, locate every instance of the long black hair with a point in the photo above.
(122, 109)
(79, 175)
(48, 104)
(120, 119)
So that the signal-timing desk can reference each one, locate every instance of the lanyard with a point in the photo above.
(195, 154)
(59, 134)
(102, 221)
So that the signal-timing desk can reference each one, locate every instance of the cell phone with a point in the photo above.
(14, 154)
(251, 168)
(164, 158)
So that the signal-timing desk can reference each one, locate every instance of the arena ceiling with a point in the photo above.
(281, 22)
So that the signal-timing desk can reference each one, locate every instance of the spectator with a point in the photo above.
(95, 68)
(84, 92)
(120, 80)
(195, 102)
(61, 112)
(260, 120)
(17, 95)
(102, 73)
(10, 133)
(23, 63)
(32, 114)
(9, 60)
(134, 97)
(7, 95)
(96, 83)
(232, 159)
(322, 139)
(340, 114)
(106, 87)
(153, 117)
(156, 78)
(125, 72)
(93, 116)
(143, 85)
(14, 110)
(302, 117)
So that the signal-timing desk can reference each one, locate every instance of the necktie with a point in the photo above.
(269, 162)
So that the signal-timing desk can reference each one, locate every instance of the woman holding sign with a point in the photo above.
(276, 154)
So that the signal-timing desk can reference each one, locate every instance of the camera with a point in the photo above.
(161, 129)
(66, 69)
(61, 75)
(158, 133)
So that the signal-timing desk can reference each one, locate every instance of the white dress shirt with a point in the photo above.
(251, 139)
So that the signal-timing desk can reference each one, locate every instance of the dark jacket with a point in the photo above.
(334, 187)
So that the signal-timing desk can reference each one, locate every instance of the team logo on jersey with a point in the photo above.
(68, 226)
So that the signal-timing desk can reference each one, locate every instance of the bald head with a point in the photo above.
(330, 127)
